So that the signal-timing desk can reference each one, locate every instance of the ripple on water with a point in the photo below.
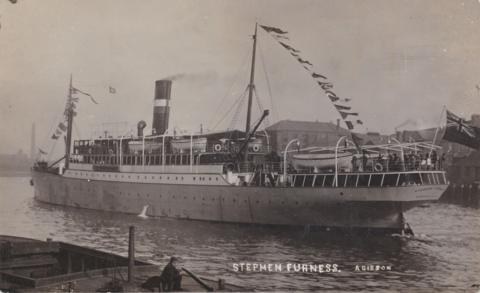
(445, 254)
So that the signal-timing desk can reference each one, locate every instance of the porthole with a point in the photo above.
(209, 178)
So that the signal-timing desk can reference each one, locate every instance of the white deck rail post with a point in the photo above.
(336, 159)
(191, 152)
(285, 159)
(121, 152)
(163, 153)
(143, 152)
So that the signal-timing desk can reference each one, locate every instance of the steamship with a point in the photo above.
(234, 177)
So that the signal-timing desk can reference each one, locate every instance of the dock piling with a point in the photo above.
(131, 253)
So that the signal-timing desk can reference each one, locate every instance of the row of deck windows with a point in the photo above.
(368, 180)
(106, 175)
(133, 159)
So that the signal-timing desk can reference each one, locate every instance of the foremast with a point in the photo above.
(69, 113)
(251, 88)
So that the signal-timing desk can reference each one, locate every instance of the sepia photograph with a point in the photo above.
(239, 145)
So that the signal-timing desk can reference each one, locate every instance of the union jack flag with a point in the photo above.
(460, 131)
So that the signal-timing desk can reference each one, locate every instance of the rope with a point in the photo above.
(235, 119)
(236, 78)
(260, 107)
(231, 108)
(269, 88)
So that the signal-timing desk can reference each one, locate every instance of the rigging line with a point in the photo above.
(48, 137)
(260, 106)
(231, 108)
(52, 148)
(235, 119)
(269, 88)
(235, 79)
(237, 108)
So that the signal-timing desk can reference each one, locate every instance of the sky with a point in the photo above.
(398, 61)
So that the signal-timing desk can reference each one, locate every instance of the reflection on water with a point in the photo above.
(443, 254)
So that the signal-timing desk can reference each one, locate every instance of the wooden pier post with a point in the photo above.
(131, 253)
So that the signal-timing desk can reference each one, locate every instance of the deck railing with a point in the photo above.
(385, 179)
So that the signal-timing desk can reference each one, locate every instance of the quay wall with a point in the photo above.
(462, 194)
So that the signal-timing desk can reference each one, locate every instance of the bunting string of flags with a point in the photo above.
(280, 36)
(70, 107)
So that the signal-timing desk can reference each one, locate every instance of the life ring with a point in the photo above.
(256, 148)
(217, 147)
(378, 167)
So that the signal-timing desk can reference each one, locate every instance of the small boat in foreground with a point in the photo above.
(29, 265)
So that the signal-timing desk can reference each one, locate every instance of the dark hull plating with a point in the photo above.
(378, 208)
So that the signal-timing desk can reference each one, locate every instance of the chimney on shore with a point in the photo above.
(161, 108)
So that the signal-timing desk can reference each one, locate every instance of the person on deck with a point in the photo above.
(364, 161)
(441, 162)
(434, 160)
(171, 278)
(429, 162)
(354, 164)
(394, 164)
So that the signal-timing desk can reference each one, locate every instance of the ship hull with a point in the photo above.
(372, 208)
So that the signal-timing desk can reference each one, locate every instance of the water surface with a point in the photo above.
(444, 254)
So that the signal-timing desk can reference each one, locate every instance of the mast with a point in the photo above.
(68, 141)
(251, 87)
